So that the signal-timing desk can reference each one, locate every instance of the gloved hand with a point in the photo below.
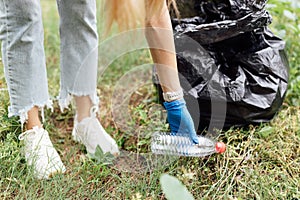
(180, 119)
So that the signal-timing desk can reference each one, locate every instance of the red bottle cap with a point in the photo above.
(220, 147)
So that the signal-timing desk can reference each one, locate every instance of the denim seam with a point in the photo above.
(8, 70)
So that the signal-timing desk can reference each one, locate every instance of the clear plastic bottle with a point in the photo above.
(181, 145)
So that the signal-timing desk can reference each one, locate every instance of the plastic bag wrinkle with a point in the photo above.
(225, 52)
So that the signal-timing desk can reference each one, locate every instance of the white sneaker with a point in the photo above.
(40, 153)
(91, 133)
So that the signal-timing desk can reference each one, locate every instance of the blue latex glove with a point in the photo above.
(180, 119)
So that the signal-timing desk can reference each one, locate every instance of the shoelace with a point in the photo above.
(22, 135)
(94, 111)
(34, 144)
(93, 114)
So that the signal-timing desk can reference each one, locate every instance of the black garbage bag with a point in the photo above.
(233, 69)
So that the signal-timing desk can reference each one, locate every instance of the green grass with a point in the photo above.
(261, 162)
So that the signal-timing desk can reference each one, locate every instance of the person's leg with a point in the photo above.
(23, 56)
(79, 50)
(33, 118)
(83, 107)
(79, 59)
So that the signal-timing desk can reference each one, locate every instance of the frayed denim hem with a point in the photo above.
(64, 99)
(23, 113)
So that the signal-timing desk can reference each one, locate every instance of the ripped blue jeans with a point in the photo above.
(22, 36)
